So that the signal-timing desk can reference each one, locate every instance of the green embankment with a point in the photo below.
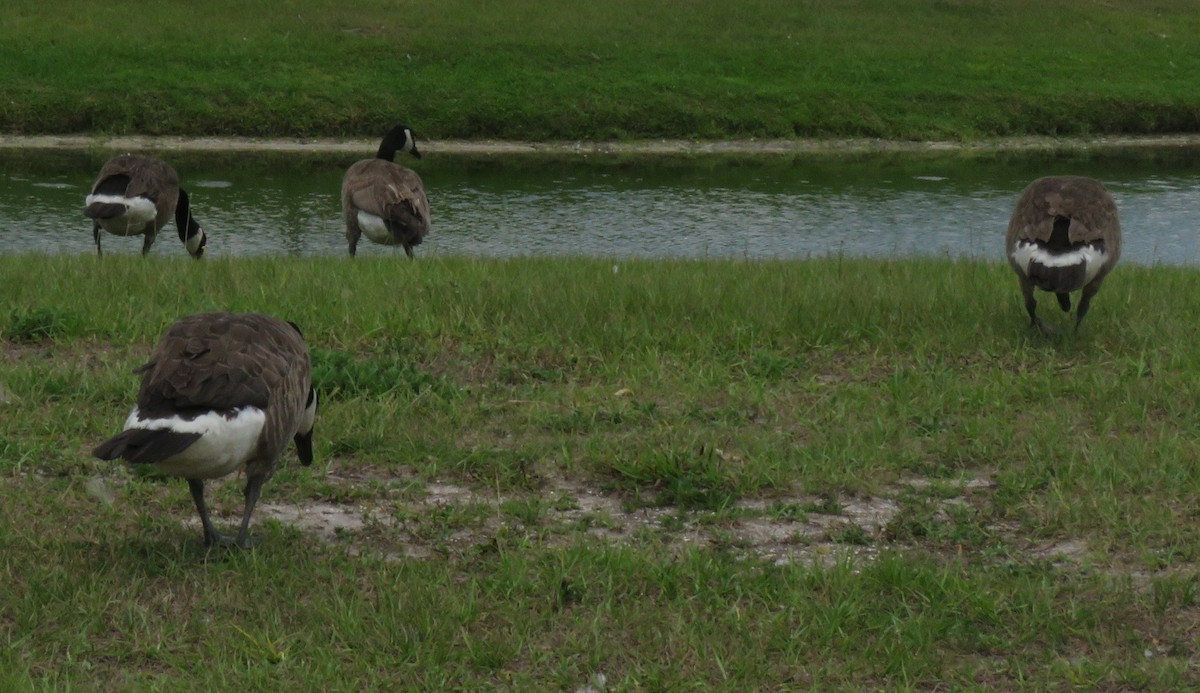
(530, 70)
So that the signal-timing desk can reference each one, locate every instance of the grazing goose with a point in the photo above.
(138, 195)
(1064, 236)
(221, 392)
(385, 200)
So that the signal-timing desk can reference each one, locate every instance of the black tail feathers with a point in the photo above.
(104, 210)
(144, 446)
(1058, 279)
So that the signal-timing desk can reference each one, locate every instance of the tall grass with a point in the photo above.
(1036, 492)
(527, 70)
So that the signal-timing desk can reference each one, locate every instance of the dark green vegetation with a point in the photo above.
(530, 70)
(683, 475)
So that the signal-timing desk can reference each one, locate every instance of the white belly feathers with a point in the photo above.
(139, 212)
(225, 444)
(374, 228)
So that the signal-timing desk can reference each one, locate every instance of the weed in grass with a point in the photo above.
(261, 648)
(623, 415)
(687, 478)
(527, 511)
(772, 366)
(916, 519)
(827, 504)
(1173, 592)
(344, 376)
(37, 325)
(564, 503)
(500, 470)
(853, 535)
(967, 527)
(15, 458)
(788, 512)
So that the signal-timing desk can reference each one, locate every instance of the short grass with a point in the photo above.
(564, 468)
(529, 70)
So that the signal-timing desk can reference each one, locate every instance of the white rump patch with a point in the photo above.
(1089, 256)
(374, 228)
(139, 211)
(225, 445)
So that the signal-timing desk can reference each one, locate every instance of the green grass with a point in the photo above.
(527, 70)
(718, 475)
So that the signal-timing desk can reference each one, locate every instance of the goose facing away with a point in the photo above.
(1064, 236)
(384, 200)
(138, 195)
(221, 392)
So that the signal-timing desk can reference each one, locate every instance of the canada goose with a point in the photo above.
(221, 392)
(1064, 236)
(385, 200)
(138, 195)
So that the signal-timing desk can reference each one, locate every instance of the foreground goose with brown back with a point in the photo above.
(221, 392)
(1064, 236)
(137, 196)
(384, 200)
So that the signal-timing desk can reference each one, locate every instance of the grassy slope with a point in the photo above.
(627, 68)
(781, 391)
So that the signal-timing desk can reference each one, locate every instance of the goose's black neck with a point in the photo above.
(400, 138)
(386, 152)
(190, 233)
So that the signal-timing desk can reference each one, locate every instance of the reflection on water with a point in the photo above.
(874, 205)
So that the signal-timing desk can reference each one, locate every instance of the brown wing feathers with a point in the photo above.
(390, 191)
(1085, 202)
(222, 361)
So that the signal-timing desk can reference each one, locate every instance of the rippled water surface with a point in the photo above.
(870, 205)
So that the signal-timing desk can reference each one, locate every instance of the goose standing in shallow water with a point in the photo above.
(384, 200)
(221, 392)
(138, 195)
(1064, 236)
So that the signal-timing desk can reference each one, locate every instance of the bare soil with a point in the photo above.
(394, 528)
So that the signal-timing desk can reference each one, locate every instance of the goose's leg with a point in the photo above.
(147, 242)
(1085, 302)
(253, 489)
(96, 238)
(1031, 305)
(352, 234)
(211, 535)
(1064, 301)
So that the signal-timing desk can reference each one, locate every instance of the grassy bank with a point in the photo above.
(713, 475)
(622, 69)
